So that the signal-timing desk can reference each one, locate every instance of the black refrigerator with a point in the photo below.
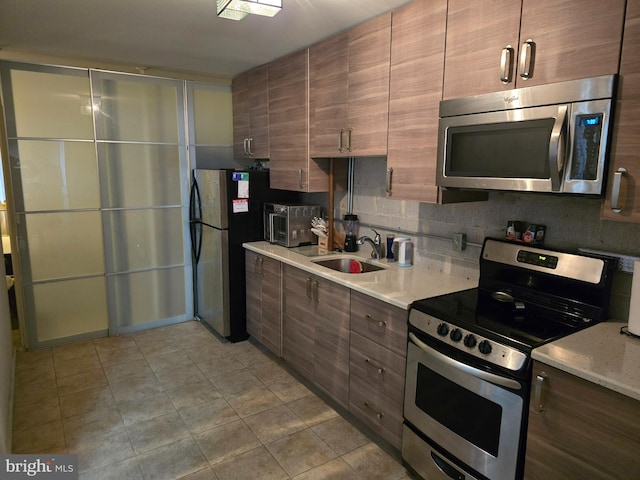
(225, 210)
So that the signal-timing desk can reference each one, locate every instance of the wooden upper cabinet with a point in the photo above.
(477, 32)
(415, 91)
(626, 128)
(559, 40)
(290, 164)
(250, 97)
(349, 92)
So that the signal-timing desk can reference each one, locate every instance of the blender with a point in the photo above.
(351, 232)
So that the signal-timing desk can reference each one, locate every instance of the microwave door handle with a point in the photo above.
(557, 149)
(489, 377)
(272, 228)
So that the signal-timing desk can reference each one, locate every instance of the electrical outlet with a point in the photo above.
(459, 241)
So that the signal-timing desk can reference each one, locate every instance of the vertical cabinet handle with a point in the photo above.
(309, 288)
(527, 59)
(314, 291)
(244, 146)
(340, 147)
(615, 194)
(506, 64)
(300, 178)
(537, 398)
(249, 145)
(349, 130)
(261, 266)
(389, 178)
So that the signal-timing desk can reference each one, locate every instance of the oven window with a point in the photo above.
(468, 414)
(500, 150)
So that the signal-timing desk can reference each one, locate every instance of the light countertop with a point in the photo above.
(599, 354)
(396, 285)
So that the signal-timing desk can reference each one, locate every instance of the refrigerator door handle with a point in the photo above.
(195, 229)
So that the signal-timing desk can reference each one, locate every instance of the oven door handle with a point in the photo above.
(489, 377)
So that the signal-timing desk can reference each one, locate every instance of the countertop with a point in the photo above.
(599, 354)
(399, 286)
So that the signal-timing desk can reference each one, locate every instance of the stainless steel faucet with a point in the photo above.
(376, 244)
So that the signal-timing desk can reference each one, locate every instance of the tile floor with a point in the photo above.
(175, 403)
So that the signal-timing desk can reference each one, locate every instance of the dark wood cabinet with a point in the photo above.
(578, 429)
(250, 99)
(560, 40)
(264, 300)
(415, 91)
(316, 331)
(377, 364)
(624, 160)
(290, 164)
(349, 91)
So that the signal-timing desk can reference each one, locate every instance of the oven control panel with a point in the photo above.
(474, 344)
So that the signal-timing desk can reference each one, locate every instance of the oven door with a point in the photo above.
(474, 415)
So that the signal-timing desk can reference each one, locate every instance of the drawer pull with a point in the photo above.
(373, 410)
(381, 323)
(373, 365)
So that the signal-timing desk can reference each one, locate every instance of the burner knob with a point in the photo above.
(470, 341)
(484, 347)
(443, 329)
(456, 335)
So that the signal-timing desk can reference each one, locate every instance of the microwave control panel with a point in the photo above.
(587, 136)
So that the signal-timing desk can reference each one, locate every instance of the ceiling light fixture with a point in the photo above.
(238, 9)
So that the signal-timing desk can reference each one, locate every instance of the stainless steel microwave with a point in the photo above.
(290, 225)
(548, 138)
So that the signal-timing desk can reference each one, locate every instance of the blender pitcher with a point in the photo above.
(351, 232)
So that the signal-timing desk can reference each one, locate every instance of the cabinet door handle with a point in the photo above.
(309, 288)
(506, 64)
(537, 398)
(389, 178)
(378, 368)
(615, 194)
(314, 291)
(256, 266)
(300, 177)
(349, 130)
(373, 410)
(340, 147)
(380, 323)
(527, 59)
(250, 145)
(244, 146)
(260, 262)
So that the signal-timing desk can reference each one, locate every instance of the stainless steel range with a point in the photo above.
(469, 357)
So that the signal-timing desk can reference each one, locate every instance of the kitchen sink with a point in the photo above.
(348, 265)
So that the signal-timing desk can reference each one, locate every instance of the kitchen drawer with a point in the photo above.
(378, 366)
(379, 412)
(379, 321)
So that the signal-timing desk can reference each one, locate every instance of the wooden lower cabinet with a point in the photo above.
(264, 300)
(585, 430)
(316, 331)
(377, 365)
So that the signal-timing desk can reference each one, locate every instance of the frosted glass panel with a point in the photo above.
(144, 297)
(137, 110)
(140, 175)
(67, 308)
(213, 117)
(64, 244)
(142, 239)
(51, 105)
(56, 175)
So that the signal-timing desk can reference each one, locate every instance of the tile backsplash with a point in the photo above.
(571, 222)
